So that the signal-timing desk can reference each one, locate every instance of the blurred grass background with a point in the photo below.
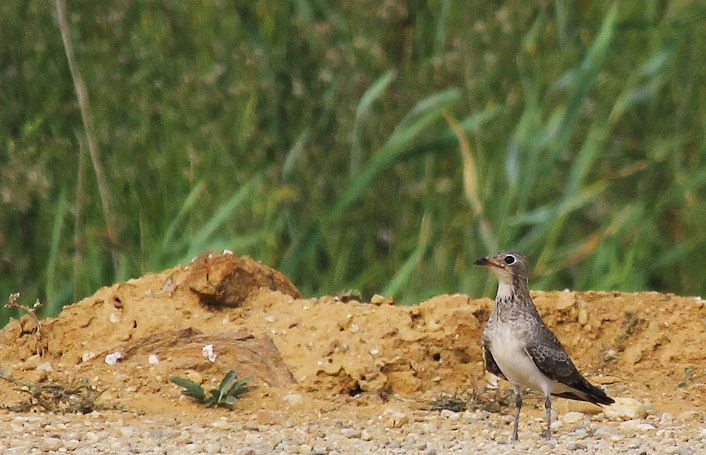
(375, 145)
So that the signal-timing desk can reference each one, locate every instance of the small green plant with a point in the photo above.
(225, 395)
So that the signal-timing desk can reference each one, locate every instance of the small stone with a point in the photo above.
(88, 355)
(625, 409)
(45, 366)
(126, 432)
(666, 419)
(576, 446)
(92, 436)
(395, 419)
(221, 424)
(351, 433)
(294, 399)
(393, 444)
(583, 316)
(612, 354)
(633, 426)
(320, 448)
(209, 352)
(253, 439)
(382, 300)
(450, 415)
(572, 418)
(366, 436)
(602, 432)
(51, 444)
(113, 358)
(71, 445)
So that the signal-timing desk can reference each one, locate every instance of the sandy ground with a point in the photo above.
(344, 376)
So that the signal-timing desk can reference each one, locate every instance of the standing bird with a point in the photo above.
(520, 348)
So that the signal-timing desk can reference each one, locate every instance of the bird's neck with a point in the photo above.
(513, 296)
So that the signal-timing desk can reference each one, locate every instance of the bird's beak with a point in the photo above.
(489, 261)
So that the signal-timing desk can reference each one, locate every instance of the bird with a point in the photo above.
(519, 347)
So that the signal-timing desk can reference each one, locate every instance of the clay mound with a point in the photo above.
(259, 326)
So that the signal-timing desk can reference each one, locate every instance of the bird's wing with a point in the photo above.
(489, 361)
(550, 357)
(552, 360)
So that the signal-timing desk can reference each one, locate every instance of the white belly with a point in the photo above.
(516, 364)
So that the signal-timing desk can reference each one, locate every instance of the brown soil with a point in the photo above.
(648, 346)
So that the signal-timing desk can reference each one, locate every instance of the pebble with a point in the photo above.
(572, 418)
(395, 419)
(397, 431)
(294, 399)
(351, 432)
(576, 446)
(450, 415)
(625, 408)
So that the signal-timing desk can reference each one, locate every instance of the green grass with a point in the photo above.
(381, 147)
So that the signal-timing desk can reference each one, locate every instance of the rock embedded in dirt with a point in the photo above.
(228, 280)
(625, 408)
(572, 418)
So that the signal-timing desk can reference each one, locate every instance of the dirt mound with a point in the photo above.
(329, 350)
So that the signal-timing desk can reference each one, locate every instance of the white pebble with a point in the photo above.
(113, 358)
(208, 352)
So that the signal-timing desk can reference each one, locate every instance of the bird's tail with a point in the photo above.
(587, 392)
(598, 395)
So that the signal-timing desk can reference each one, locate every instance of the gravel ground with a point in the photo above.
(395, 431)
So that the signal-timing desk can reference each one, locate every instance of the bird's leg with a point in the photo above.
(548, 413)
(518, 406)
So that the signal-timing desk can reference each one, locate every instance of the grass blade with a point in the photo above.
(51, 306)
(369, 97)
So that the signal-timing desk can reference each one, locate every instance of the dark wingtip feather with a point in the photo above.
(605, 399)
(586, 392)
(598, 395)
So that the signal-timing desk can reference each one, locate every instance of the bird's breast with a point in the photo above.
(508, 350)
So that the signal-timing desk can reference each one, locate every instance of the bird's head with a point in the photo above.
(508, 266)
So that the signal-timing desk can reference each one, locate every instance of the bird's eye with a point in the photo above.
(509, 260)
